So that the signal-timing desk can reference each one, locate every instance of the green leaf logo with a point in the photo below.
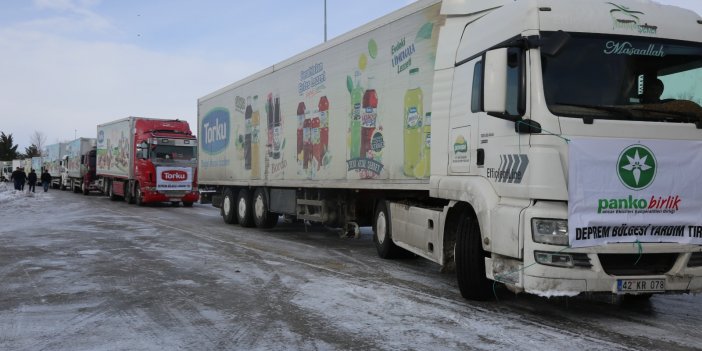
(636, 167)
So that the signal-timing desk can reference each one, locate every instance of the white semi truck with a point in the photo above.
(76, 165)
(54, 158)
(552, 146)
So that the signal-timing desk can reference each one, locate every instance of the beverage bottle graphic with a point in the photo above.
(307, 143)
(277, 128)
(412, 123)
(255, 136)
(356, 97)
(369, 117)
(269, 126)
(300, 135)
(247, 134)
(324, 124)
(315, 127)
(422, 170)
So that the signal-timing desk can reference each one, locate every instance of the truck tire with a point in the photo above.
(470, 261)
(137, 195)
(128, 197)
(76, 188)
(244, 208)
(228, 209)
(262, 216)
(111, 192)
(85, 189)
(382, 229)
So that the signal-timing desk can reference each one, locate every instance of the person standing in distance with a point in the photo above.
(45, 180)
(32, 180)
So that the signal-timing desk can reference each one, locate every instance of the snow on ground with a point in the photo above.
(8, 194)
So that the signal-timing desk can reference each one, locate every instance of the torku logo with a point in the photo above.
(636, 167)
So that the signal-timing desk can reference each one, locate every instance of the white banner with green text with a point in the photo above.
(625, 190)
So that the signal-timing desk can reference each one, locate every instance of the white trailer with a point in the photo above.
(5, 170)
(53, 162)
(550, 146)
(74, 165)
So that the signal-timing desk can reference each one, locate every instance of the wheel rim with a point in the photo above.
(381, 227)
(259, 207)
(226, 205)
(242, 207)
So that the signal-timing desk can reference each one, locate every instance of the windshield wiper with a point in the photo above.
(673, 116)
(616, 113)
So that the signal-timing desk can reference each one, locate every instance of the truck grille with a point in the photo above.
(695, 260)
(648, 264)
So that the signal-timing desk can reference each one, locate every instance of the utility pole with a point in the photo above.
(325, 21)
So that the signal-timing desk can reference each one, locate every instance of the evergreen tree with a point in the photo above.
(31, 151)
(8, 151)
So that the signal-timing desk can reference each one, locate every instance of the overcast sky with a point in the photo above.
(68, 65)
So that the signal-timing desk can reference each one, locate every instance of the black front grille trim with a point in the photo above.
(695, 260)
(635, 264)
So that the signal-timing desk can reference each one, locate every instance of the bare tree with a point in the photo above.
(38, 139)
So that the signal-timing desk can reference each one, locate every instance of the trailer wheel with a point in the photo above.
(137, 195)
(470, 261)
(244, 208)
(128, 196)
(111, 191)
(382, 230)
(262, 216)
(228, 209)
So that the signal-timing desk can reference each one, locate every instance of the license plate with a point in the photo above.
(640, 285)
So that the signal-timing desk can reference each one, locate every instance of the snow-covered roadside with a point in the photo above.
(8, 194)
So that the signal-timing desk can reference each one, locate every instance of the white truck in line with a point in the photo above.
(6, 170)
(551, 146)
(54, 157)
(76, 165)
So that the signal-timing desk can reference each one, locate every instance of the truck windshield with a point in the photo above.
(174, 154)
(621, 77)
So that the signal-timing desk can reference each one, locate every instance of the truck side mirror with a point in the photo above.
(495, 81)
(143, 150)
(504, 87)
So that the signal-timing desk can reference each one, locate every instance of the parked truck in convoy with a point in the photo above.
(146, 160)
(54, 155)
(5, 170)
(551, 146)
(79, 166)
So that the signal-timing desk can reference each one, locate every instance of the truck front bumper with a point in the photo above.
(170, 196)
(619, 268)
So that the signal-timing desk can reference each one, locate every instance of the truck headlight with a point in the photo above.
(550, 231)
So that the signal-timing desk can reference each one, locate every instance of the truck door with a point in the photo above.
(501, 154)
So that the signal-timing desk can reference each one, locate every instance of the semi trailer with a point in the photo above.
(550, 146)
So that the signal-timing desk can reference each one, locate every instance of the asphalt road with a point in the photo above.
(86, 273)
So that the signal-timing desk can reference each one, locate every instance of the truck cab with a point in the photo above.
(534, 86)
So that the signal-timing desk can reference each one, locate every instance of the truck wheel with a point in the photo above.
(262, 216)
(228, 209)
(137, 195)
(470, 261)
(85, 189)
(128, 197)
(111, 192)
(76, 189)
(381, 232)
(243, 209)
